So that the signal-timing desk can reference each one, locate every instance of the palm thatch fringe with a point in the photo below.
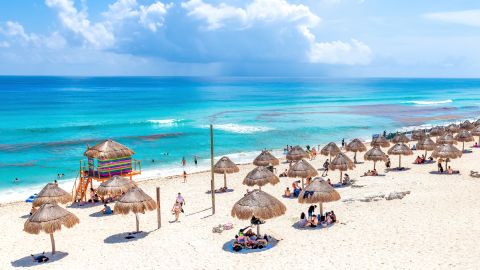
(108, 150)
(302, 169)
(259, 204)
(318, 191)
(115, 186)
(51, 193)
(380, 141)
(341, 162)
(260, 176)
(49, 218)
(265, 159)
(296, 153)
(331, 149)
(135, 201)
(356, 146)
(225, 165)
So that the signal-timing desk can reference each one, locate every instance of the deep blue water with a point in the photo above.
(46, 122)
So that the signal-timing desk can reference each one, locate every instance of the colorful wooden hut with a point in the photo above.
(105, 160)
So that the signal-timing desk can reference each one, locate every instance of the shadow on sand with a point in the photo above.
(228, 246)
(28, 261)
(125, 237)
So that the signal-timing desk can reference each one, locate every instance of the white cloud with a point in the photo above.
(216, 16)
(16, 33)
(152, 16)
(339, 52)
(465, 17)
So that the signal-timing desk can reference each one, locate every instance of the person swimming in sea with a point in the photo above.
(16, 181)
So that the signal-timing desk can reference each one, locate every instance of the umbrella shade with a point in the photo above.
(356, 146)
(453, 128)
(400, 138)
(49, 218)
(446, 138)
(108, 150)
(134, 200)
(51, 193)
(302, 169)
(318, 191)
(331, 149)
(265, 159)
(426, 144)
(418, 135)
(437, 131)
(296, 153)
(467, 125)
(260, 176)
(446, 151)
(380, 141)
(400, 149)
(464, 136)
(225, 165)
(341, 162)
(258, 204)
(117, 185)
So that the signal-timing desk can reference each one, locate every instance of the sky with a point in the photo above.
(321, 38)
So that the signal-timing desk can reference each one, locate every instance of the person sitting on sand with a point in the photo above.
(40, 258)
(284, 174)
(418, 160)
(303, 219)
(374, 172)
(475, 145)
(439, 166)
(287, 193)
(329, 182)
(387, 163)
(107, 210)
(423, 158)
(346, 180)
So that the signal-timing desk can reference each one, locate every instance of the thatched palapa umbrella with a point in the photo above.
(135, 201)
(375, 154)
(331, 149)
(342, 163)
(467, 125)
(108, 150)
(319, 192)
(477, 123)
(464, 136)
(437, 131)
(418, 135)
(302, 169)
(426, 144)
(400, 150)
(265, 159)
(51, 193)
(115, 186)
(476, 132)
(258, 204)
(446, 138)
(400, 138)
(260, 176)
(446, 151)
(380, 141)
(356, 146)
(225, 166)
(453, 128)
(49, 218)
(296, 153)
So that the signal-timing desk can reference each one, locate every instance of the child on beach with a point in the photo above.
(184, 176)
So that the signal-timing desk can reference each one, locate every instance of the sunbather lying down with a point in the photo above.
(247, 239)
(371, 173)
(474, 174)
(40, 258)
(451, 171)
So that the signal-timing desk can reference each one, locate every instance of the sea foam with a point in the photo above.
(429, 102)
(241, 129)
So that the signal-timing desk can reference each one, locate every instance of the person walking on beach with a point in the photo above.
(343, 143)
(325, 168)
(195, 160)
(184, 161)
(176, 209)
(184, 176)
(180, 200)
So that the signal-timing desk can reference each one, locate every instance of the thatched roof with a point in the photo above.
(467, 125)
(318, 191)
(476, 131)
(260, 176)
(296, 153)
(426, 144)
(136, 201)
(117, 185)
(356, 146)
(265, 159)
(446, 138)
(418, 135)
(259, 204)
(437, 131)
(464, 136)
(400, 149)
(453, 128)
(225, 165)
(51, 193)
(341, 162)
(400, 138)
(49, 218)
(302, 169)
(446, 151)
(375, 154)
(380, 141)
(331, 149)
(477, 123)
(108, 150)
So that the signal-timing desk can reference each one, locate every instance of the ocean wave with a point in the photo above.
(165, 122)
(240, 129)
(429, 102)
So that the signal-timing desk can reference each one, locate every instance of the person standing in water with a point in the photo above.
(184, 161)
(195, 160)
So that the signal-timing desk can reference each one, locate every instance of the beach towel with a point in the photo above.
(31, 198)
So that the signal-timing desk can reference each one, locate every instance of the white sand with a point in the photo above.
(437, 226)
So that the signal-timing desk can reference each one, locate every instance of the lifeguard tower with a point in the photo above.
(105, 160)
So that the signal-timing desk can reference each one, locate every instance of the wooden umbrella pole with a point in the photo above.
(225, 179)
(463, 146)
(321, 209)
(258, 230)
(212, 182)
(159, 216)
(341, 176)
(355, 158)
(138, 222)
(425, 154)
(374, 163)
(303, 185)
(53, 243)
(399, 161)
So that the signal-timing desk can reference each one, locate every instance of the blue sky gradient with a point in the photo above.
(328, 38)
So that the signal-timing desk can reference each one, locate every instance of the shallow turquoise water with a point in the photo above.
(47, 121)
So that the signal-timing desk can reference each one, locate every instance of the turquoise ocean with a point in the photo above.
(47, 122)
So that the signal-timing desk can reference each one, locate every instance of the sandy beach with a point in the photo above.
(436, 226)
